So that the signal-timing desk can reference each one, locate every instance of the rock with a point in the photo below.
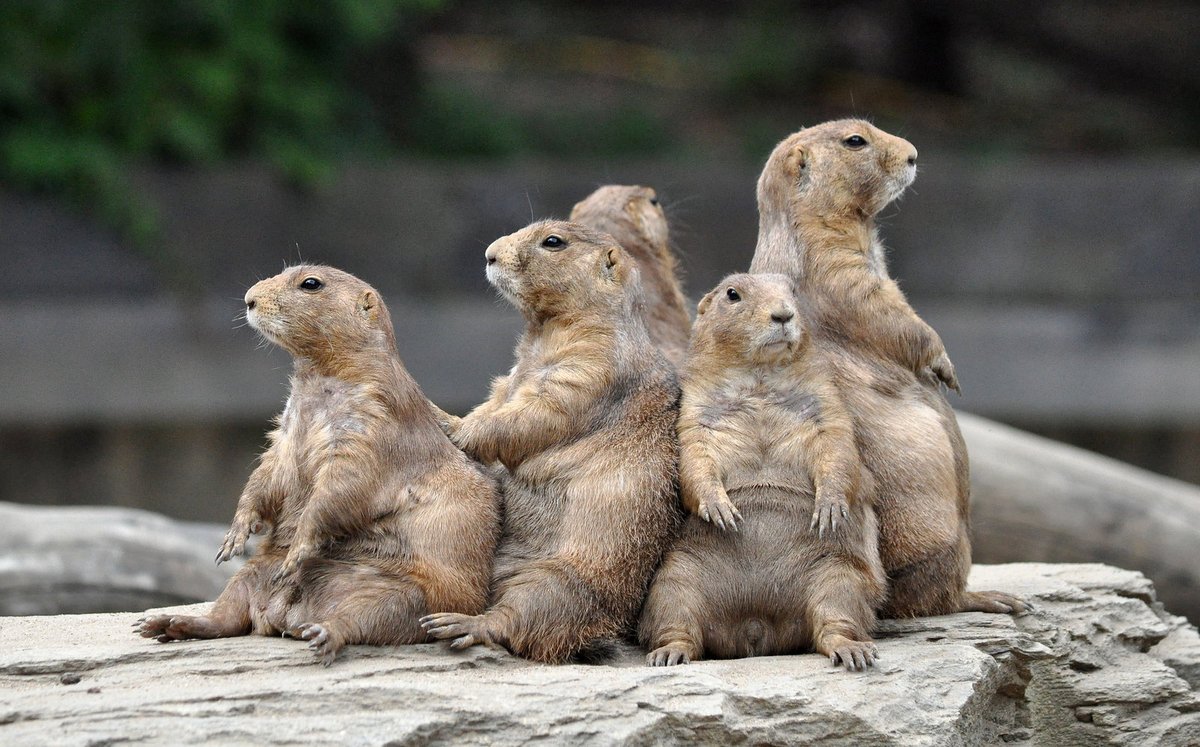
(1037, 499)
(56, 559)
(1099, 662)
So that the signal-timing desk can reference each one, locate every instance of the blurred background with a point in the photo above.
(159, 156)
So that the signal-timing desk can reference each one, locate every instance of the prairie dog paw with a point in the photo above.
(718, 509)
(239, 532)
(324, 642)
(831, 512)
(465, 630)
(855, 656)
(670, 655)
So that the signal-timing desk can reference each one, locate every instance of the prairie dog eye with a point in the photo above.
(654, 201)
(553, 242)
(733, 295)
(311, 284)
(854, 142)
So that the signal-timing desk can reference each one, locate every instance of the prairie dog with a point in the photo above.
(780, 552)
(584, 423)
(372, 516)
(817, 197)
(634, 217)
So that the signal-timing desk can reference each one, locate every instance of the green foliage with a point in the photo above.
(773, 56)
(450, 122)
(87, 86)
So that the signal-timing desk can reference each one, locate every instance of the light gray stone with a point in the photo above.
(57, 559)
(1088, 667)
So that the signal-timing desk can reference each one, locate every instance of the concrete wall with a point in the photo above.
(1066, 293)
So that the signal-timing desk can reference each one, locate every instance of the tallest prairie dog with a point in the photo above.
(634, 217)
(817, 199)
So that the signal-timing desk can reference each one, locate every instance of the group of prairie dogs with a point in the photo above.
(766, 483)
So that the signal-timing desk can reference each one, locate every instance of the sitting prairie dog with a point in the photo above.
(633, 216)
(372, 517)
(818, 195)
(825, 185)
(780, 552)
(584, 423)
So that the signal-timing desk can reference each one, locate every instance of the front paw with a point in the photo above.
(944, 370)
(465, 630)
(289, 569)
(831, 512)
(239, 532)
(718, 509)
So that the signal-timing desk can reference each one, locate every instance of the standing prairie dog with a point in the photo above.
(372, 517)
(633, 216)
(584, 423)
(780, 552)
(817, 199)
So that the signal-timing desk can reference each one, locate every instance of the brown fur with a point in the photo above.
(790, 560)
(585, 425)
(817, 200)
(373, 518)
(634, 218)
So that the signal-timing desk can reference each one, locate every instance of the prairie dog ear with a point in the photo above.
(368, 304)
(796, 160)
(705, 302)
(614, 265)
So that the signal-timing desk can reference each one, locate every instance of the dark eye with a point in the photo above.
(654, 201)
(311, 284)
(732, 295)
(855, 141)
(553, 242)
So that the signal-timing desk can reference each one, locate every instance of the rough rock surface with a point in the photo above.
(1099, 662)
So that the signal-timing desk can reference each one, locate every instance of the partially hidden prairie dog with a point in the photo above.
(825, 185)
(817, 198)
(372, 516)
(633, 216)
(780, 551)
(584, 423)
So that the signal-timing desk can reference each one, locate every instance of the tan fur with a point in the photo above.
(790, 560)
(372, 517)
(585, 425)
(632, 215)
(817, 201)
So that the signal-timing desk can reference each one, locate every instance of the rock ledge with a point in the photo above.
(1100, 662)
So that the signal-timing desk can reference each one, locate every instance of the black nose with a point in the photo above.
(783, 317)
(491, 260)
(249, 305)
(912, 160)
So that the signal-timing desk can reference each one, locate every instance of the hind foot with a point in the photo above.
(466, 630)
(167, 628)
(324, 642)
(855, 656)
(994, 601)
(672, 654)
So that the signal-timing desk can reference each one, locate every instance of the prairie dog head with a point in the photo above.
(313, 311)
(750, 319)
(846, 166)
(631, 214)
(555, 267)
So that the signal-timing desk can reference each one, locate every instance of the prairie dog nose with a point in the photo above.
(912, 157)
(490, 254)
(783, 316)
(250, 302)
